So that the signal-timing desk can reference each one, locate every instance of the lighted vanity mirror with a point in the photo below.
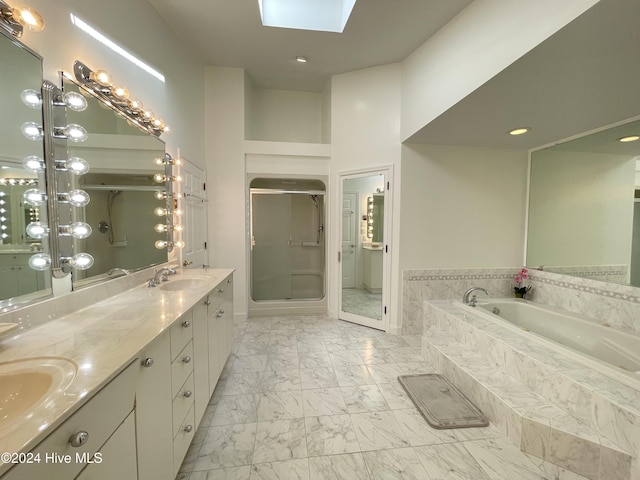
(584, 210)
(20, 85)
(121, 160)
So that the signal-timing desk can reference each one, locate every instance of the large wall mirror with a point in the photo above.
(584, 210)
(121, 160)
(20, 83)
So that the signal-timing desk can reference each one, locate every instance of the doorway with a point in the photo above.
(363, 256)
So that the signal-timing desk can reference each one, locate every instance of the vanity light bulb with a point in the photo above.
(177, 211)
(77, 165)
(33, 163)
(35, 197)
(136, 105)
(74, 101)
(80, 230)
(4, 235)
(40, 261)
(29, 17)
(179, 244)
(159, 178)
(32, 131)
(148, 115)
(160, 212)
(75, 133)
(159, 161)
(37, 230)
(31, 98)
(121, 93)
(166, 129)
(177, 178)
(101, 77)
(160, 244)
(81, 261)
(160, 195)
(160, 228)
(78, 198)
(178, 228)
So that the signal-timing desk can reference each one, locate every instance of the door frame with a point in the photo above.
(356, 228)
(387, 172)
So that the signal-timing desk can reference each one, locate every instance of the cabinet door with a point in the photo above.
(228, 311)
(154, 424)
(117, 457)
(214, 345)
(200, 359)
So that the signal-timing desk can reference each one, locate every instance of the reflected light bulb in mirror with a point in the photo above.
(40, 261)
(160, 195)
(81, 261)
(78, 198)
(32, 131)
(33, 163)
(35, 197)
(77, 165)
(101, 77)
(31, 98)
(159, 178)
(160, 228)
(75, 133)
(160, 212)
(160, 244)
(75, 101)
(29, 17)
(37, 230)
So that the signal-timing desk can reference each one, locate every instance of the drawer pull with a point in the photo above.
(79, 439)
(207, 302)
(186, 359)
(220, 313)
(188, 429)
(229, 281)
(186, 324)
(147, 362)
(221, 290)
(187, 394)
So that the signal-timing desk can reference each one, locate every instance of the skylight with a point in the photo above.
(319, 15)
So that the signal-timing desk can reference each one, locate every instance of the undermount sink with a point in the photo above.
(183, 284)
(25, 384)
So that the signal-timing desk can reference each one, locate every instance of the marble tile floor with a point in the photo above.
(361, 302)
(313, 398)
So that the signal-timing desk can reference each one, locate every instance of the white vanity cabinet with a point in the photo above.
(88, 436)
(200, 358)
(220, 314)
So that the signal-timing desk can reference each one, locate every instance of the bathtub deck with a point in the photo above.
(543, 401)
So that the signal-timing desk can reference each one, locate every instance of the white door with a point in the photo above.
(362, 298)
(194, 218)
(349, 239)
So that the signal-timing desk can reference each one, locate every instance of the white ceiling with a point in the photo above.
(229, 33)
(583, 77)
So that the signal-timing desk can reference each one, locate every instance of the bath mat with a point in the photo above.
(441, 403)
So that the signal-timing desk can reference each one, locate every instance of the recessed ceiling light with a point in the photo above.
(519, 131)
(630, 138)
(302, 59)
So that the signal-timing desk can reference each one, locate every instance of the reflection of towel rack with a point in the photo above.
(186, 195)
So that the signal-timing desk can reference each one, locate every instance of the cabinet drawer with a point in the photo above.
(181, 333)
(99, 417)
(183, 439)
(182, 403)
(117, 456)
(181, 368)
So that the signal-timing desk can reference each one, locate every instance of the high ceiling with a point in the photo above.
(581, 78)
(229, 33)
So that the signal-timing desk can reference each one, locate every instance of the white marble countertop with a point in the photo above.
(101, 339)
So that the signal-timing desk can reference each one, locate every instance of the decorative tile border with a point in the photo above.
(426, 278)
(596, 287)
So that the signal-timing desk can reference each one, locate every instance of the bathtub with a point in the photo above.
(607, 346)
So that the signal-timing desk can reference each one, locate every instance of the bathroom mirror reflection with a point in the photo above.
(361, 254)
(121, 160)
(584, 210)
(21, 74)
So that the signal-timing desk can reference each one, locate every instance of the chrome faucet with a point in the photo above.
(472, 301)
(161, 275)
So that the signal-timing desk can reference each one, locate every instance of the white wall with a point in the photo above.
(224, 113)
(462, 207)
(477, 44)
(285, 116)
(365, 133)
(581, 209)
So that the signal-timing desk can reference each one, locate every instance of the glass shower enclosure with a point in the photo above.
(287, 239)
